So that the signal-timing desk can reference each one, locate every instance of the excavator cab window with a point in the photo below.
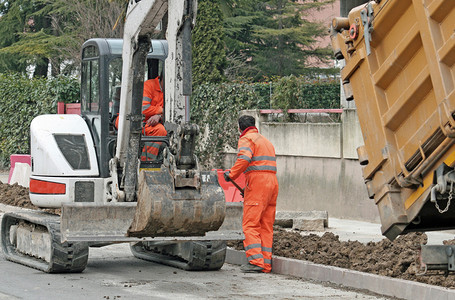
(115, 81)
(90, 79)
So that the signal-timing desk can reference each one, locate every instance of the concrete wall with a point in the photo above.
(318, 167)
(304, 139)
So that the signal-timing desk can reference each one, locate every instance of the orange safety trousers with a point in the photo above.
(150, 151)
(259, 209)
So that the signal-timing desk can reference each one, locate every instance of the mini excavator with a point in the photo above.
(167, 208)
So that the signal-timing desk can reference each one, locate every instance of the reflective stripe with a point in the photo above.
(268, 261)
(256, 158)
(256, 256)
(145, 150)
(244, 157)
(144, 107)
(260, 168)
(153, 145)
(245, 148)
(267, 249)
(252, 246)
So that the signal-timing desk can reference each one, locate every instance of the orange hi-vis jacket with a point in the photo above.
(255, 153)
(152, 101)
(256, 158)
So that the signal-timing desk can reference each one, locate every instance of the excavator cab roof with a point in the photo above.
(113, 47)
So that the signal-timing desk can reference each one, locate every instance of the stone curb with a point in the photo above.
(382, 285)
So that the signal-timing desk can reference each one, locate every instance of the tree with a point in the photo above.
(18, 21)
(40, 32)
(209, 57)
(273, 37)
(76, 21)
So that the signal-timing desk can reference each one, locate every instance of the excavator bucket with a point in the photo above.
(165, 208)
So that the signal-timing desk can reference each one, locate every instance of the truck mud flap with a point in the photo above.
(164, 210)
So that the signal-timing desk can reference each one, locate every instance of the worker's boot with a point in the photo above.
(250, 268)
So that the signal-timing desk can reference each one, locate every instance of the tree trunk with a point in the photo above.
(41, 68)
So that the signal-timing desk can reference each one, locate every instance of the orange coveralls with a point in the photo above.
(152, 104)
(256, 157)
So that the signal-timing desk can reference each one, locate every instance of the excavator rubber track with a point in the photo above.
(189, 256)
(33, 239)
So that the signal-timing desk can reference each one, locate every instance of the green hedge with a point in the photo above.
(22, 99)
(297, 92)
(215, 108)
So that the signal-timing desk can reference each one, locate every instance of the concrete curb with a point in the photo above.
(382, 285)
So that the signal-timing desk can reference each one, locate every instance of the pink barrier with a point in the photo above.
(18, 158)
(231, 193)
(69, 108)
(73, 108)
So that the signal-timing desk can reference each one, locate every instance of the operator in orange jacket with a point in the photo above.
(152, 109)
(256, 158)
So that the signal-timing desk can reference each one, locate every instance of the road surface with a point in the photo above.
(113, 273)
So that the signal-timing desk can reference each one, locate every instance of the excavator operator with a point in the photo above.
(256, 158)
(152, 109)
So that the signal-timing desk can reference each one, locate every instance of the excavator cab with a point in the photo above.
(101, 77)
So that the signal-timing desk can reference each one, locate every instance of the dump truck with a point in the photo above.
(399, 67)
(166, 207)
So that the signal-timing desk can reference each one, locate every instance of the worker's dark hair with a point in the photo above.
(246, 121)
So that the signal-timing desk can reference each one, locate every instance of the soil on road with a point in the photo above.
(397, 259)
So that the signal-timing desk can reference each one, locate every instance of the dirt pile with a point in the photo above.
(17, 195)
(398, 259)
(395, 259)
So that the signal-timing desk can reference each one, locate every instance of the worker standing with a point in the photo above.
(256, 158)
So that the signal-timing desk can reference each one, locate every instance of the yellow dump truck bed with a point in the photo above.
(399, 69)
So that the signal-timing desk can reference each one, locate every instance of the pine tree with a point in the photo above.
(273, 38)
(16, 22)
(209, 57)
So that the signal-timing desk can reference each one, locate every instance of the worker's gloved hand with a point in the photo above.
(153, 120)
(226, 176)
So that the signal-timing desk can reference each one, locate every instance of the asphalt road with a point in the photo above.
(113, 273)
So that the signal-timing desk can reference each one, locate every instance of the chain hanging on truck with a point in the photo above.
(444, 175)
(441, 211)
